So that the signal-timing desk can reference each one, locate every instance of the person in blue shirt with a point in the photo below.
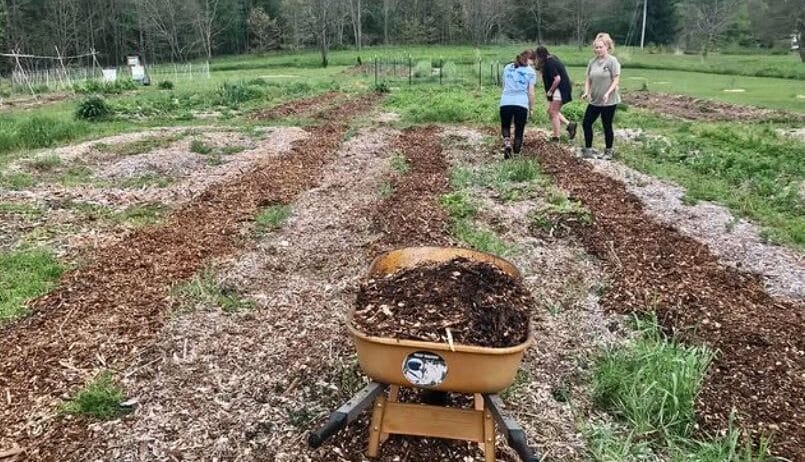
(517, 101)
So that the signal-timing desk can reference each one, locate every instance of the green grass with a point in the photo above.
(20, 208)
(200, 147)
(45, 163)
(149, 179)
(141, 146)
(271, 218)
(749, 168)
(399, 163)
(480, 239)
(25, 274)
(786, 65)
(140, 216)
(650, 385)
(204, 290)
(459, 205)
(99, 399)
(559, 213)
(16, 181)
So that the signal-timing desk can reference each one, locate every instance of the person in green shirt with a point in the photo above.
(601, 92)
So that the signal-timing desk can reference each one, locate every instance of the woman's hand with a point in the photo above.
(585, 95)
(606, 97)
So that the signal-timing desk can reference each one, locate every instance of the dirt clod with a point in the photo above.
(476, 302)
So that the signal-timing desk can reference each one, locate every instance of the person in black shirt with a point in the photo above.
(558, 90)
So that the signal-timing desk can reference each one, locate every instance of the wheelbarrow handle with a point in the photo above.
(346, 413)
(337, 421)
(517, 441)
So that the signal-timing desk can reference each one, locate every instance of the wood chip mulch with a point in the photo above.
(760, 368)
(477, 303)
(103, 315)
(411, 215)
(689, 108)
(301, 107)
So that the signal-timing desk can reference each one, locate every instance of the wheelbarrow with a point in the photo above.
(435, 367)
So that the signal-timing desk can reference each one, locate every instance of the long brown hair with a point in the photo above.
(521, 60)
(542, 55)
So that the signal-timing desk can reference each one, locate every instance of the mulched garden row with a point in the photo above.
(104, 314)
(689, 108)
(301, 107)
(760, 369)
(476, 302)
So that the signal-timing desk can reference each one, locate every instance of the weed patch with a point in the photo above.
(400, 164)
(271, 218)
(751, 170)
(559, 216)
(100, 399)
(25, 274)
(204, 290)
(652, 384)
(459, 205)
(480, 239)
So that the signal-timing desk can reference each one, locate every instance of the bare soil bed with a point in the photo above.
(461, 301)
(759, 339)
(689, 108)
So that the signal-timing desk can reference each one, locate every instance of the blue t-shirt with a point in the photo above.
(515, 85)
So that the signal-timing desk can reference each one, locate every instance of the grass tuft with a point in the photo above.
(652, 383)
(271, 218)
(25, 274)
(100, 399)
(480, 239)
(204, 290)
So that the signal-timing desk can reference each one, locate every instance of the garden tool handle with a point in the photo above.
(347, 413)
(338, 420)
(517, 442)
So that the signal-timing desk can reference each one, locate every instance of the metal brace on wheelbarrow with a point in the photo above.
(392, 417)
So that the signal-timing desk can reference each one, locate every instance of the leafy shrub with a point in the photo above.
(166, 85)
(93, 108)
(423, 69)
(230, 94)
(383, 87)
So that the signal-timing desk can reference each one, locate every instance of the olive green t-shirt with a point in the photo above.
(601, 73)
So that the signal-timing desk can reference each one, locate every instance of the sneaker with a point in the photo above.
(608, 154)
(507, 148)
(554, 139)
(588, 153)
(571, 130)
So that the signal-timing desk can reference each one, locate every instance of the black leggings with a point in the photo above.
(607, 113)
(520, 115)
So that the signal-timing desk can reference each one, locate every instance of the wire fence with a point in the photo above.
(38, 78)
(395, 71)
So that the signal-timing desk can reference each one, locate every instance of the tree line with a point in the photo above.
(178, 30)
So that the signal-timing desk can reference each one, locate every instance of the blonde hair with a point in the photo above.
(606, 40)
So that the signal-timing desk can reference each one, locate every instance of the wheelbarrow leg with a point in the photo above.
(514, 433)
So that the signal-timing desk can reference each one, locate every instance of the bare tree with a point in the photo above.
(207, 23)
(62, 19)
(167, 20)
(481, 17)
(389, 7)
(708, 19)
(537, 9)
(356, 14)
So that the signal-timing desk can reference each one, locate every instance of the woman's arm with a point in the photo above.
(556, 80)
(612, 87)
(530, 98)
(587, 84)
